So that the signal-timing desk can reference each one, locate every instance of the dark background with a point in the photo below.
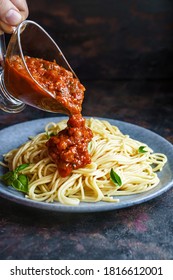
(122, 51)
(111, 40)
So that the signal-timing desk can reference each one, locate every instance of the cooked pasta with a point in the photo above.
(109, 149)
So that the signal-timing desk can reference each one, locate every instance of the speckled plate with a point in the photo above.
(13, 136)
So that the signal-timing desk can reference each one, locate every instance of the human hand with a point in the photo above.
(12, 12)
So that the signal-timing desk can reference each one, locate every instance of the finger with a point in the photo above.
(22, 6)
(9, 14)
(5, 28)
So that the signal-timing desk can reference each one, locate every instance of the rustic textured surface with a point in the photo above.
(123, 55)
(111, 39)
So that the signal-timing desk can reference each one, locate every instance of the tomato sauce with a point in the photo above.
(69, 149)
(51, 87)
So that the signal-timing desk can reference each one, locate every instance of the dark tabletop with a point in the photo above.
(123, 54)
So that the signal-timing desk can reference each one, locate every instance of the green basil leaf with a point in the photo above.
(50, 135)
(141, 150)
(16, 180)
(6, 176)
(21, 183)
(9, 177)
(115, 178)
(23, 179)
(21, 167)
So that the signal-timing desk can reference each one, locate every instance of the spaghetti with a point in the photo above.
(110, 150)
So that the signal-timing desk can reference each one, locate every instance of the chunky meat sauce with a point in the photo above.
(69, 148)
(57, 85)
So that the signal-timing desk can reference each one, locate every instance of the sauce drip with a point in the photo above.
(54, 85)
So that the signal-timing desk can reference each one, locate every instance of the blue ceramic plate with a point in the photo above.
(13, 136)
